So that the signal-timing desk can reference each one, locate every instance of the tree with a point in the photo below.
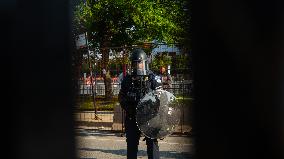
(127, 22)
(161, 60)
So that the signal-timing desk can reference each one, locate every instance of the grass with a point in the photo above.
(102, 105)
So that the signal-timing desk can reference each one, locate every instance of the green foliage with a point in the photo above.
(85, 67)
(130, 22)
(126, 22)
(88, 105)
(181, 61)
(161, 60)
(119, 60)
(101, 106)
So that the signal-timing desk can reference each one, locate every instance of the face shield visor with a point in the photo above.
(138, 68)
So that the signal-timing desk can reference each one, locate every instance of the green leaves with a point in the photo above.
(131, 22)
(161, 60)
(152, 20)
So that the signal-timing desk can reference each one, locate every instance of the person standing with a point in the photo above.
(166, 79)
(133, 87)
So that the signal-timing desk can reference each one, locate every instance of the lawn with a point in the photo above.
(102, 105)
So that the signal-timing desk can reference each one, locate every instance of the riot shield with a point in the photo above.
(157, 114)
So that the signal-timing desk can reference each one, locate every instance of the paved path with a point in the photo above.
(105, 116)
(94, 144)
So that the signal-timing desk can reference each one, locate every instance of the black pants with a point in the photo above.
(132, 139)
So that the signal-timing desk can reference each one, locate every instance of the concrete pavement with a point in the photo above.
(96, 144)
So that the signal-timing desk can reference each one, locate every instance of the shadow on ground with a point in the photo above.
(91, 132)
(123, 152)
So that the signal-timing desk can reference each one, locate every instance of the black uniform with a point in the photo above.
(133, 88)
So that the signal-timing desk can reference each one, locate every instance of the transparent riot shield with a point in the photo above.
(158, 114)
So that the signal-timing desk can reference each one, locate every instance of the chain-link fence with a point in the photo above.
(109, 114)
(94, 110)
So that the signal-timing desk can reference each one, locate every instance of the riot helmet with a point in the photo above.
(139, 64)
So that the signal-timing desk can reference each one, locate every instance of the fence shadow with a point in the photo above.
(123, 152)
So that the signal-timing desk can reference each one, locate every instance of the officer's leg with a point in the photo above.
(132, 138)
(152, 148)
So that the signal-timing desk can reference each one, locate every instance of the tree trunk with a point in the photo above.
(123, 65)
(106, 74)
(76, 72)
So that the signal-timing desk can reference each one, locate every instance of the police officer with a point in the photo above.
(133, 87)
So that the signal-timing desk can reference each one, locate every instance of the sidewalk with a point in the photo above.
(104, 144)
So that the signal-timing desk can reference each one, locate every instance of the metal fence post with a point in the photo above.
(122, 122)
(179, 85)
(84, 116)
(182, 121)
